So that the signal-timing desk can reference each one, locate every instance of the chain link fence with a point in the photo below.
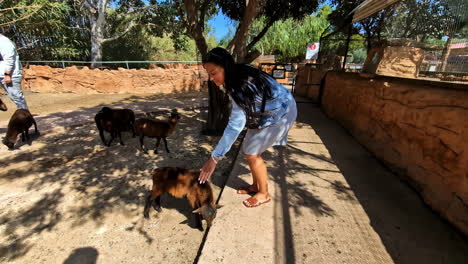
(112, 65)
(422, 39)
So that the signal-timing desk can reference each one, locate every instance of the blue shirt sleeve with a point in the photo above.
(235, 125)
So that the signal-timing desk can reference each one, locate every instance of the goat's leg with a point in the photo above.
(133, 129)
(154, 195)
(195, 204)
(198, 217)
(112, 138)
(165, 144)
(157, 203)
(142, 144)
(120, 137)
(157, 145)
(101, 134)
(26, 133)
(198, 221)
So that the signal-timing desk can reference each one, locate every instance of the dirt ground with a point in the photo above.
(68, 199)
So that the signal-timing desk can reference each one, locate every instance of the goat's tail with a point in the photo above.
(35, 126)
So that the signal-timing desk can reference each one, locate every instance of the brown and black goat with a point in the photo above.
(20, 122)
(181, 182)
(146, 127)
(114, 121)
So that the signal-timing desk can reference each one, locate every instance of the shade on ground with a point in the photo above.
(333, 202)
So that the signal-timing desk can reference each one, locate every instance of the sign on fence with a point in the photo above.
(312, 51)
(279, 73)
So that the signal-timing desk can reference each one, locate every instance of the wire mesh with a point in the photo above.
(424, 38)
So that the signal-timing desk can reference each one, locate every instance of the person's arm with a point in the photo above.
(235, 125)
(7, 50)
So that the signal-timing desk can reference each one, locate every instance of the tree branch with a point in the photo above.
(92, 4)
(87, 6)
(194, 27)
(251, 56)
(130, 26)
(201, 19)
(140, 9)
(20, 7)
(237, 44)
(181, 13)
(260, 35)
(91, 7)
(21, 18)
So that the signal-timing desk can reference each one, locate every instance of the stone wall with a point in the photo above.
(86, 81)
(419, 128)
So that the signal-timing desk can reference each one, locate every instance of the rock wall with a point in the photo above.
(87, 81)
(419, 128)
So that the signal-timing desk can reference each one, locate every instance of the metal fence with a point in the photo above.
(427, 39)
(107, 64)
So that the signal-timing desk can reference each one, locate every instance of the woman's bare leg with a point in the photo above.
(260, 176)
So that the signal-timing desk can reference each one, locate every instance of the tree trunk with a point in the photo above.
(445, 54)
(261, 34)
(218, 111)
(219, 108)
(96, 44)
(96, 53)
(237, 46)
(195, 27)
(98, 22)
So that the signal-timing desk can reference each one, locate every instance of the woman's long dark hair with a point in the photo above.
(241, 81)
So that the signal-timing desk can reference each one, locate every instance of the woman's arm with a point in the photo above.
(236, 123)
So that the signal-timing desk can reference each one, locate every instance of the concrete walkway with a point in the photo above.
(333, 202)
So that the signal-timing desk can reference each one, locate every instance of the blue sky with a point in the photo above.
(220, 25)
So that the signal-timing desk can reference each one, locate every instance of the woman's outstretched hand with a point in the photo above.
(207, 170)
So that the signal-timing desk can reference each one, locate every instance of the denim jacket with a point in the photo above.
(275, 108)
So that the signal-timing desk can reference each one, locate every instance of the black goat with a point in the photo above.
(114, 121)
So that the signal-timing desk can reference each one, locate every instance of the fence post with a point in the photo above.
(63, 64)
(126, 62)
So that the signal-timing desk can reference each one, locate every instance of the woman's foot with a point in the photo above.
(248, 190)
(256, 200)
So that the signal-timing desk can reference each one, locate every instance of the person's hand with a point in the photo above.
(207, 170)
(7, 79)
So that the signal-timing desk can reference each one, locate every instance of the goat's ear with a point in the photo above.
(218, 206)
(197, 211)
